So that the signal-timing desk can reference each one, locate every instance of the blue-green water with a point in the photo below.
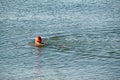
(82, 37)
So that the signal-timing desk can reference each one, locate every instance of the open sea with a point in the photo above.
(82, 39)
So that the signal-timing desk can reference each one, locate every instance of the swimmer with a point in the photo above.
(38, 41)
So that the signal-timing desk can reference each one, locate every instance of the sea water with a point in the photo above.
(82, 39)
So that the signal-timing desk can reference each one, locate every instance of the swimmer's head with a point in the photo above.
(38, 39)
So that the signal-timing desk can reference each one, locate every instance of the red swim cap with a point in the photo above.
(38, 39)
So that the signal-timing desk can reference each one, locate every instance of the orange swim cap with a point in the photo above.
(38, 39)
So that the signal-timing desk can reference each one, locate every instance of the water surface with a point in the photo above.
(82, 40)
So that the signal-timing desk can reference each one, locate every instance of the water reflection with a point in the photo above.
(37, 65)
